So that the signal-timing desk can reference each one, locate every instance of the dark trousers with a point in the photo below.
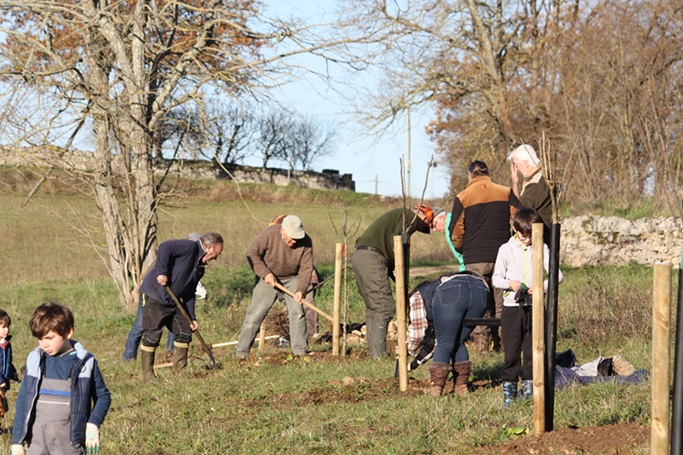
(515, 323)
(135, 335)
(155, 316)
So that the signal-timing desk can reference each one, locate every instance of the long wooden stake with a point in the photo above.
(401, 314)
(305, 302)
(677, 407)
(538, 328)
(233, 343)
(338, 257)
(181, 308)
(661, 350)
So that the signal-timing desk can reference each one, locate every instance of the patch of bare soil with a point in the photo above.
(348, 390)
(605, 439)
(277, 321)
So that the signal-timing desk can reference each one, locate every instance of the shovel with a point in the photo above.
(205, 347)
(306, 303)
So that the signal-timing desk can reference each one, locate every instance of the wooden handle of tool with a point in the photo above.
(309, 305)
(205, 346)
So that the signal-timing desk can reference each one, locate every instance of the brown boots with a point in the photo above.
(461, 373)
(439, 373)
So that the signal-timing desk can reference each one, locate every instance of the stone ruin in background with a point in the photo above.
(328, 179)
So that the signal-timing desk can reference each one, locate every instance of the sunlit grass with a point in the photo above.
(275, 406)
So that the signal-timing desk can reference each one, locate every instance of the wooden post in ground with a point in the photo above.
(261, 338)
(677, 407)
(661, 351)
(538, 328)
(401, 314)
(338, 257)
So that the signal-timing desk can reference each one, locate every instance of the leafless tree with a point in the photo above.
(588, 75)
(308, 141)
(272, 139)
(213, 131)
(121, 68)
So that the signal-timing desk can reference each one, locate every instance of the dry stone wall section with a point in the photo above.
(593, 240)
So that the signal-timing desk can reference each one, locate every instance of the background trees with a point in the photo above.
(131, 71)
(601, 80)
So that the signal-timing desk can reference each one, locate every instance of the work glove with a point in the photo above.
(522, 296)
(18, 449)
(92, 439)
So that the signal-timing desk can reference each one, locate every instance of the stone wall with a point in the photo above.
(328, 179)
(588, 240)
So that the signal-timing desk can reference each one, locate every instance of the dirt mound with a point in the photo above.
(604, 439)
(348, 390)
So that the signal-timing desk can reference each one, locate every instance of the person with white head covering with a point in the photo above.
(532, 189)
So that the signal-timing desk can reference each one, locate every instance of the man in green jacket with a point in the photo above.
(373, 266)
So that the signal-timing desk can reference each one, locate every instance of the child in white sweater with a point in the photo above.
(512, 274)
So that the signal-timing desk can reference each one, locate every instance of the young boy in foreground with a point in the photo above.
(63, 399)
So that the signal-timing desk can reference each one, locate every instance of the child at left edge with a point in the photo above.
(63, 399)
(7, 370)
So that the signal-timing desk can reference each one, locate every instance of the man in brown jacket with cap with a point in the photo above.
(280, 253)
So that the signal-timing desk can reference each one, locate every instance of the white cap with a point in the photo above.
(293, 227)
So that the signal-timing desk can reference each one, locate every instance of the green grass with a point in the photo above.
(278, 405)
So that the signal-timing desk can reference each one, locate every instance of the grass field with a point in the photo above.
(275, 404)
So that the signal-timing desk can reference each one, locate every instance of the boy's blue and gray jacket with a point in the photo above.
(87, 385)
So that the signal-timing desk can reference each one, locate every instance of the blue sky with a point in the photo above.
(374, 162)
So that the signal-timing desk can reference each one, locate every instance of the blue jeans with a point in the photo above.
(135, 335)
(461, 297)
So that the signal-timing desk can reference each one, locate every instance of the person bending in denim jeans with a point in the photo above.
(437, 311)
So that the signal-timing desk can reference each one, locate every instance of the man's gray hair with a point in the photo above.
(525, 152)
(211, 238)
